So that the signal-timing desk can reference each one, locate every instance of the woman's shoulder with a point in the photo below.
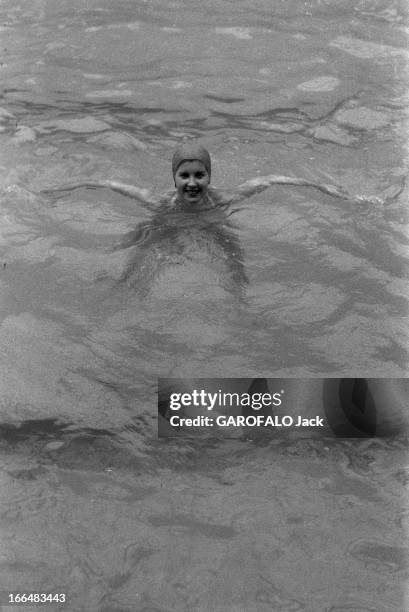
(166, 196)
(219, 197)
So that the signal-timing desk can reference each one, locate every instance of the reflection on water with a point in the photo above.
(100, 297)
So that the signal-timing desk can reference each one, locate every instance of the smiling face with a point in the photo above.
(191, 181)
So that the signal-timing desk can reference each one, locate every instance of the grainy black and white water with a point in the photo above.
(99, 297)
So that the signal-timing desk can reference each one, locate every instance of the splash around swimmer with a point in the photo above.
(191, 167)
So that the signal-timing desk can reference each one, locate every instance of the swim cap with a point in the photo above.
(189, 152)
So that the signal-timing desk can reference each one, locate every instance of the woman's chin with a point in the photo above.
(193, 200)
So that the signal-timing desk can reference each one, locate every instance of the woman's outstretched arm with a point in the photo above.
(132, 191)
(258, 184)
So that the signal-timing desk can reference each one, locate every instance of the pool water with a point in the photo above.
(100, 297)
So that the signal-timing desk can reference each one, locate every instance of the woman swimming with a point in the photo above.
(191, 168)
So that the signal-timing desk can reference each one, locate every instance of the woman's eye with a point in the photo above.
(199, 174)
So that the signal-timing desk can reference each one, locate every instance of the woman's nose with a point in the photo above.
(191, 180)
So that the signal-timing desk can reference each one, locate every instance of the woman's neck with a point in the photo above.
(207, 202)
